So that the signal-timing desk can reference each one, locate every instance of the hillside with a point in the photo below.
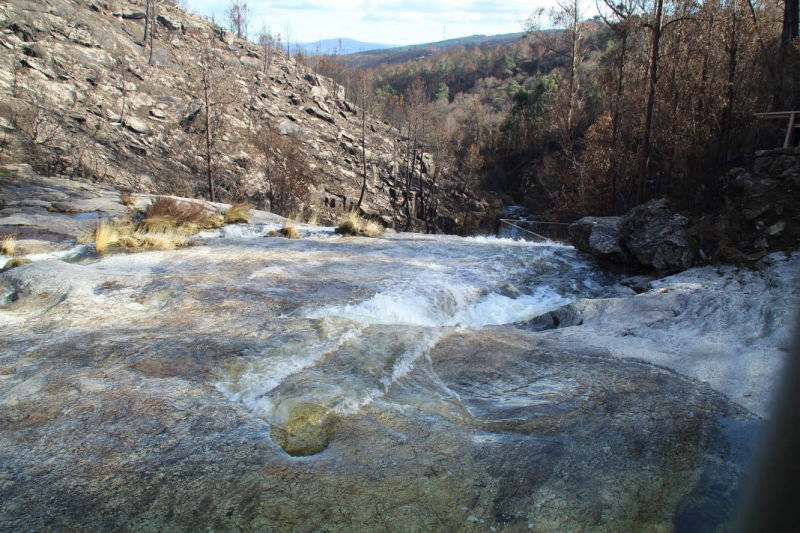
(85, 97)
(389, 56)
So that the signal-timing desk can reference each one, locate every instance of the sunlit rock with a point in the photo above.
(306, 430)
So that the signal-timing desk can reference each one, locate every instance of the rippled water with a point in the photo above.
(378, 385)
(404, 290)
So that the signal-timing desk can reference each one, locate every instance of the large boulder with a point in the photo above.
(657, 237)
(600, 237)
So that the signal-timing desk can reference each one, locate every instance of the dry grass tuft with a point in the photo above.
(15, 262)
(105, 235)
(183, 213)
(372, 229)
(136, 238)
(140, 241)
(9, 245)
(167, 215)
(353, 224)
(238, 213)
(290, 231)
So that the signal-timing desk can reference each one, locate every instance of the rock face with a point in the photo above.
(658, 237)
(599, 236)
(763, 207)
(82, 98)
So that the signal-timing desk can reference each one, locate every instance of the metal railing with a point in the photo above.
(537, 230)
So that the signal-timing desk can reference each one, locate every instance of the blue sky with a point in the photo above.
(390, 22)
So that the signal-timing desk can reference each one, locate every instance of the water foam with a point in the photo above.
(450, 305)
(267, 371)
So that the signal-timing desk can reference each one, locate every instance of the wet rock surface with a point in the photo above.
(369, 385)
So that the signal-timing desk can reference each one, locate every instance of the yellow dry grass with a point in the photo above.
(352, 224)
(141, 241)
(105, 235)
(238, 213)
(290, 231)
(9, 245)
(15, 262)
(133, 238)
(372, 229)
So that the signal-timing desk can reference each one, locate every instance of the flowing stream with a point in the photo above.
(395, 298)
(386, 384)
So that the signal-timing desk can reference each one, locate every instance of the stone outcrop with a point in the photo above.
(649, 236)
(658, 237)
(600, 237)
(183, 390)
(761, 215)
(762, 207)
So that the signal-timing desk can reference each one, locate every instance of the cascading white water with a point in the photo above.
(414, 288)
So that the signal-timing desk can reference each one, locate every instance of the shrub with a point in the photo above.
(9, 245)
(238, 213)
(290, 231)
(187, 218)
(349, 224)
(353, 224)
(181, 212)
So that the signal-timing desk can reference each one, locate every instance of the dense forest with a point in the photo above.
(595, 115)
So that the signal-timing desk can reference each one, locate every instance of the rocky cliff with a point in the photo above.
(84, 96)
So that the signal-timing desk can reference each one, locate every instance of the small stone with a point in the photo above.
(319, 114)
(752, 213)
(776, 229)
(133, 15)
(136, 125)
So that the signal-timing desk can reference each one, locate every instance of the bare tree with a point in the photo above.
(146, 20)
(571, 45)
(213, 89)
(266, 40)
(238, 15)
(361, 80)
(284, 169)
(153, 9)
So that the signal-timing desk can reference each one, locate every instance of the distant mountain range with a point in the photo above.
(363, 54)
(367, 58)
(340, 47)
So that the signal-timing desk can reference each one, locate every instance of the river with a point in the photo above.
(352, 384)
